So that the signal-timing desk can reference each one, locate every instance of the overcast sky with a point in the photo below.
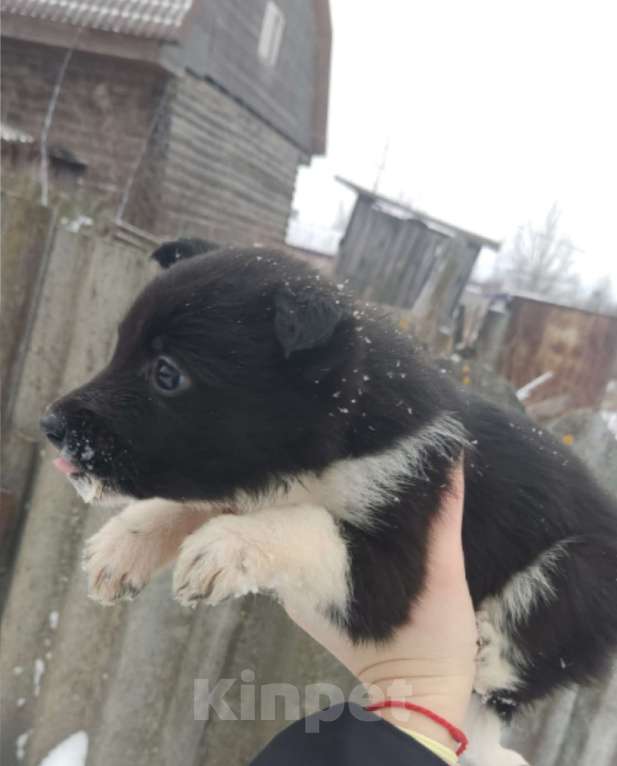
(492, 110)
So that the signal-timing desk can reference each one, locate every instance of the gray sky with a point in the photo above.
(492, 111)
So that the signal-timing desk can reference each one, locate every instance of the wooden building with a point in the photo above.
(397, 256)
(188, 117)
(561, 358)
(390, 252)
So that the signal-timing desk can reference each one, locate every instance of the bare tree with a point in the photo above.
(542, 261)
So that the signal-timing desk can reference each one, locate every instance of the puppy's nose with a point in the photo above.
(54, 428)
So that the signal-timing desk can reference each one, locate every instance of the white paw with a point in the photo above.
(119, 562)
(219, 562)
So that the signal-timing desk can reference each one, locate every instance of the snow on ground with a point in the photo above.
(20, 744)
(73, 751)
(39, 670)
(610, 418)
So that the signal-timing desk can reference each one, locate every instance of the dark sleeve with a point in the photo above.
(344, 735)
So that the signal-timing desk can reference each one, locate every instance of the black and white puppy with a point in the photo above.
(277, 437)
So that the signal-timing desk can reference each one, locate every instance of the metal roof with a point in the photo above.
(400, 209)
(525, 295)
(158, 19)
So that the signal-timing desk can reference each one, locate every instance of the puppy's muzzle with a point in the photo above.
(53, 426)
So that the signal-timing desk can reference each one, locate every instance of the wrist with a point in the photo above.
(424, 723)
(446, 696)
(447, 685)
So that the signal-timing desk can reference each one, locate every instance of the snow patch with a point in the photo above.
(54, 619)
(20, 744)
(39, 670)
(72, 751)
(87, 453)
(610, 418)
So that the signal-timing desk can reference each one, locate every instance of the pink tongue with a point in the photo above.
(64, 466)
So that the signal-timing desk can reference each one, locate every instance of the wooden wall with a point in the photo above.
(578, 347)
(404, 262)
(228, 176)
(222, 45)
(103, 115)
(185, 157)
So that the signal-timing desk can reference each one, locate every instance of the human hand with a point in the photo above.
(431, 659)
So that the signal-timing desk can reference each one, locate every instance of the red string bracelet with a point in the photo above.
(456, 734)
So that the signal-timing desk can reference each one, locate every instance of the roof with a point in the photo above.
(402, 210)
(523, 295)
(156, 19)
(213, 40)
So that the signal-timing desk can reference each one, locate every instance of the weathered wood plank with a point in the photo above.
(223, 46)
(226, 171)
(25, 234)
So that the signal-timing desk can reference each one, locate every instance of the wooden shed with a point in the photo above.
(190, 116)
(567, 354)
(398, 256)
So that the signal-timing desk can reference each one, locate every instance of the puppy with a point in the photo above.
(272, 435)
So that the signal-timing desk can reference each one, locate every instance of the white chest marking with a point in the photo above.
(354, 488)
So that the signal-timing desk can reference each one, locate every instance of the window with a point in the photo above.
(271, 35)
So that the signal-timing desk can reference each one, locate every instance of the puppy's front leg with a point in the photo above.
(296, 552)
(121, 557)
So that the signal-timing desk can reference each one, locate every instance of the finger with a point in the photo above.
(449, 520)
(446, 531)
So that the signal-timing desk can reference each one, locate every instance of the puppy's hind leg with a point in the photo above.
(121, 558)
(484, 728)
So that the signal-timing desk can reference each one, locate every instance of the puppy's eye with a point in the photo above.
(167, 378)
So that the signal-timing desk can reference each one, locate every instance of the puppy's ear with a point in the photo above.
(305, 318)
(172, 252)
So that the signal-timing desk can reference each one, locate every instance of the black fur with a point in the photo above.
(287, 375)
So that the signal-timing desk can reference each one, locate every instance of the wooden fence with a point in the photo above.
(125, 675)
